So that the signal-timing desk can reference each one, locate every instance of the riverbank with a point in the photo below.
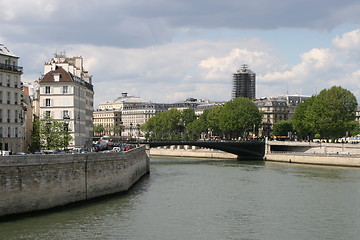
(349, 157)
(315, 159)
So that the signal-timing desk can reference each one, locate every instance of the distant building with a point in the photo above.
(244, 83)
(66, 94)
(131, 112)
(277, 109)
(11, 110)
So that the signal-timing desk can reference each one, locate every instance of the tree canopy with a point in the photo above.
(239, 116)
(329, 113)
(236, 118)
(49, 134)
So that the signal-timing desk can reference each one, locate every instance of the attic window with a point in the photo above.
(56, 77)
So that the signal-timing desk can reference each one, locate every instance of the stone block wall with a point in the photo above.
(36, 182)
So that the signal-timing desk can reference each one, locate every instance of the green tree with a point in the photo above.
(53, 134)
(98, 129)
(212, 117)
(164, 125)
(239, 116)
(328, 114)
(301, 125)
(282, 128)
(35, 145)
(187, 116)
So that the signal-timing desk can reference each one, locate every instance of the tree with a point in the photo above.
(164, 125)
(35, 145)
(98, 129)
(239, 116)
(53, 134)
(212, 117)
(328, 114)
(282, 128)
(301, 124)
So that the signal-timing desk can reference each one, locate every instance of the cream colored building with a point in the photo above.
(11, 110)
(66, 94)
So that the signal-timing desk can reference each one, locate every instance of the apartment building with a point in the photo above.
(66, 94)
(11, 110)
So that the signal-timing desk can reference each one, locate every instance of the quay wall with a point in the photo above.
(327, 154)
(330, 160)
(200, 153)
(36, 182)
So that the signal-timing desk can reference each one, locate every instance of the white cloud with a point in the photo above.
(348, 41)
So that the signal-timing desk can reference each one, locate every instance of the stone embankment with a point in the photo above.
(336, 154)
(37, 182)
(332, 154)
(190, 151)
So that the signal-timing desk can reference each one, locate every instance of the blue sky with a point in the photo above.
(170, 50)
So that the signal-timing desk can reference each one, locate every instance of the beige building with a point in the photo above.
(277, 109)
(11, 110)
(66, 94)
(125, 112)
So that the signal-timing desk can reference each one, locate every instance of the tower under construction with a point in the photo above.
(244, 83)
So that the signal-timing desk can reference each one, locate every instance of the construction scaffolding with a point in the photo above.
(244, 83)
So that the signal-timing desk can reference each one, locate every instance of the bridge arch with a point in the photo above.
(246, 150)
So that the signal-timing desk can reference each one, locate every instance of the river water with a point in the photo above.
(185, 198)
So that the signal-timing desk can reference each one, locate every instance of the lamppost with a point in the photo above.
(66, 119)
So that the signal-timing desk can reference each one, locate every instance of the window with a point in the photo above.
(16, 82)
(1, 115)
(1, 79)
(66, 114)
(16, 116)
(1, 97)
(8, 98)
(16, 98)
(47, 102)
(47, 114)
(1, 132)
(8, 116)
(65, 89)
(16, 132)
(9, 132)
(47, 90)
(8, 80)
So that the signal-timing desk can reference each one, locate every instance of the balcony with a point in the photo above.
(11, 68)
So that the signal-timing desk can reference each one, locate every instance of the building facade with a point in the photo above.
(66, 94)
(11, 110)
(244, 83)
(277, 109)
(130, 112)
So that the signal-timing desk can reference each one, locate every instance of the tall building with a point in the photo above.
(66, 94)
(244, 83)
(11, 111)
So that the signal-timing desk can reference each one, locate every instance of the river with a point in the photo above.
(188, 198)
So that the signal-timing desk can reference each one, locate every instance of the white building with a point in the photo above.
(11, 111)
(66, 94)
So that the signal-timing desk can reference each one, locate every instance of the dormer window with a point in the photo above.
(56, 77)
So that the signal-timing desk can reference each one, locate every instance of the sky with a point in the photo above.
(166, 51)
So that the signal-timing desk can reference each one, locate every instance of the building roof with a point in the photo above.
(5, 51)
(64, 76)
(270, 103)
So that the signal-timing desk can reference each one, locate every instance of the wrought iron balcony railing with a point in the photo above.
(12, 68)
